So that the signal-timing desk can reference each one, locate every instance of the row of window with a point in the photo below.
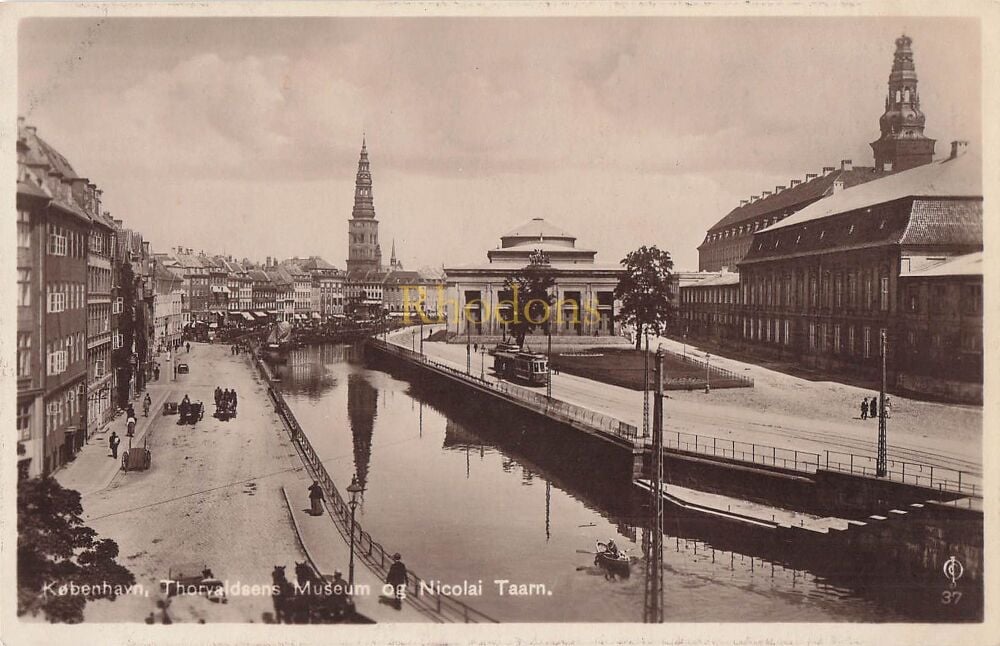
(99, 279)
(59, 353)
(61, 410)
(59, 297)
(822, 337)
(790, 290)
(99, 319)
(62, 241)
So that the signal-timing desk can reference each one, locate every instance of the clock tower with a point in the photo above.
(902, 144)
(364, 253)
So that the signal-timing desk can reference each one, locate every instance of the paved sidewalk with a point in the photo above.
(330, 551)
(94, 469)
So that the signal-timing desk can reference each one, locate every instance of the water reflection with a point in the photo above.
(362, 411)
(468, 490)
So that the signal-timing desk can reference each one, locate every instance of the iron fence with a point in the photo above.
(367, 549)
(804, 461)
(944, 479)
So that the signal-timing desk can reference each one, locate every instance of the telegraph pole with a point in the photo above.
(645, 386)
(881, 462)
(653, 608)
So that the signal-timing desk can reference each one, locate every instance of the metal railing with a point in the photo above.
(944, 479)
(929, 476)
(716, 371)
(367, 549)
(563, 411)
(763, 454)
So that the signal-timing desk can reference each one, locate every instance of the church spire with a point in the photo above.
(902, 144)
(364, 253)
(392, 259)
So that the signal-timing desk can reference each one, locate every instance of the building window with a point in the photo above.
(824, 342)
(57, 242)
(972, 299)
(850, 340)
(23, 287)
(23, 354)
(23, 421)
(838, 292)
(866, 342)
(787, 335)
(56, 362)
(23, 230)
(812, 336)
(972, 341)
(884, 293)
(939, 298)
(868, 291)
(56, 300)
(813, 297)
(836, 339)
(913, 299)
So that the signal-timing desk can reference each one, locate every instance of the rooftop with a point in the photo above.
(960, 176)
(970, 264)
(537, 228)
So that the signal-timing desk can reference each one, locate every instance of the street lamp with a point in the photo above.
(354, 489)
(413, 340)
(880, 461)
(482, 362)
(708, 389)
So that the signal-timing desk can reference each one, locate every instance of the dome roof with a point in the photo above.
(538, 228)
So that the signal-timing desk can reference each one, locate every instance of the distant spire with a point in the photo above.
(393, 258)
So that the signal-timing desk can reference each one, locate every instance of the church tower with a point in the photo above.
(364, 253)
(902, 144)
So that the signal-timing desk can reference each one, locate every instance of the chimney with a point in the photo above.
(754, 198)
(778, 189)
(838, 185)
(827, 170)
(32, 129)
(766, 193)
(267, 261)
(744, 202)
(792, 183)
(846, 164)
(97, 199)
(887, 166)
(958, 147)
(810, 176)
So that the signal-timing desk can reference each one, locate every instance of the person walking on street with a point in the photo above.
(873, 408)
(113, 442)
(146, 403)
(188, 346)
(396, 577)
(234, 402)
(218, 396)
(316, 498)
(864, 408)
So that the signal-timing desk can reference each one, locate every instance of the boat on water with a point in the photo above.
(619, 563)
(279, 342)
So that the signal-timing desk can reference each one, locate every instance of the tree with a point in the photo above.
(55, 548)
(646, 292)
(530, 296)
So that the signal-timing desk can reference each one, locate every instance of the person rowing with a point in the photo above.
(610, 549)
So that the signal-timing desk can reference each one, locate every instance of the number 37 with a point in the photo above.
(951, 597)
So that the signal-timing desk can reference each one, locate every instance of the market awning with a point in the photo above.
(247, 316)
(260, 314)
(213, 325)
(316, 315)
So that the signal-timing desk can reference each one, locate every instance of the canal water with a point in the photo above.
(470, 494)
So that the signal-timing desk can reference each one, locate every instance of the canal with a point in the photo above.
(470, 493)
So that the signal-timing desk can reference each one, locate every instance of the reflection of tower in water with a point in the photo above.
(362, 405)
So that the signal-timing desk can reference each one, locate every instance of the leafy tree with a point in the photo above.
(646, 292)
(55, 547)
(531, 297)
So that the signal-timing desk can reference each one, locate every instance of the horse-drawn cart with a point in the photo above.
(193, 579)
(191, 413)
(136, 459)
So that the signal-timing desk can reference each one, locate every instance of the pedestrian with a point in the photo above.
(113, 442)
(234, 401)
(396, 577)
(888, 407)
(146, 403)
(873, 408)
(188, 346)
(864, 408)
(218, 396)
(156, 373)
(316, 498)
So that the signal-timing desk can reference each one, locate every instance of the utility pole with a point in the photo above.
(653, 608)
(548, 362)
(881, 463)
(468, 344)
(645, 386)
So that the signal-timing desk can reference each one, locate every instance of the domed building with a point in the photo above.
(584, 288)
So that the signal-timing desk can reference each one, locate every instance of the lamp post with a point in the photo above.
(421, 333)
(548, 361)
(708, 388)
(354, 489)
(468, 343)
(413, 340)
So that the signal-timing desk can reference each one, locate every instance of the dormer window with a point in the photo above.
(822, 234)
(850, 230)
(798, 238)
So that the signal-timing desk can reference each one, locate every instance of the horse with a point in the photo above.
(289, 607)
(323, 604)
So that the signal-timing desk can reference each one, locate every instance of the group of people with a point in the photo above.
(225, 401)
(869, 407)
(237, 348)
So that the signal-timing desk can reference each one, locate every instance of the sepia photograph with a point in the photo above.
(510, 314)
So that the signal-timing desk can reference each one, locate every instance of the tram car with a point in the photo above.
(514, 364)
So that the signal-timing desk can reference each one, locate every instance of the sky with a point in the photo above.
(241, 136)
